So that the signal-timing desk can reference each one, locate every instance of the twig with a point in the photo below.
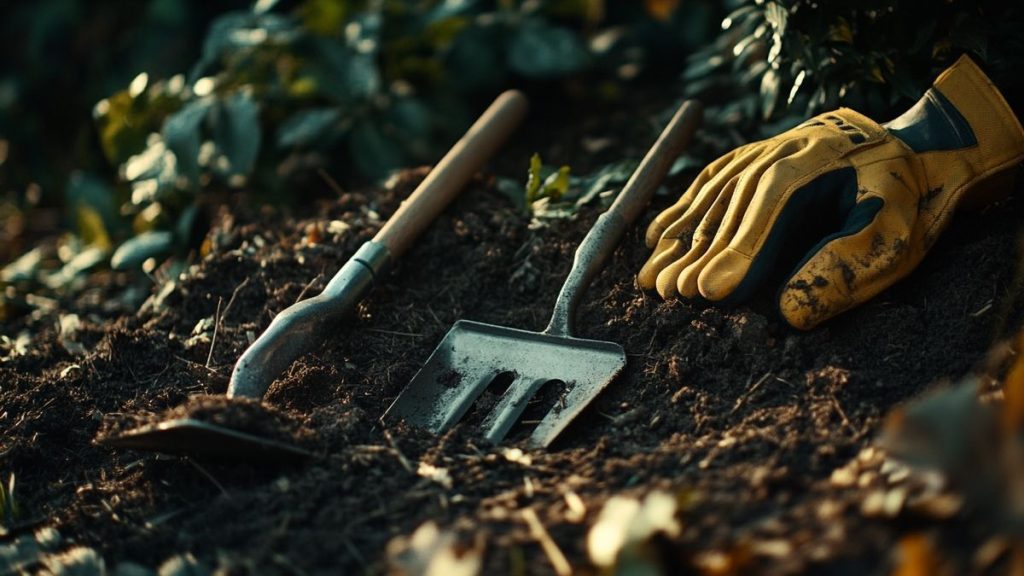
(743, 398)
(401, 457)
(216, 326)
(208, 476)
(308, 286)
(353, 550)
(330, 181)
(393, 332)
(842, 414)
(234, 294)
(554, 554)
(434, 315)
(988, 306)
(191, 363)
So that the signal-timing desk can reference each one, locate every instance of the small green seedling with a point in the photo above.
(8, 505)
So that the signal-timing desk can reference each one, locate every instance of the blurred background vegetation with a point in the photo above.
(124, 125)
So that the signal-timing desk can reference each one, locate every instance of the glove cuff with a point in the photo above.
(998, 132)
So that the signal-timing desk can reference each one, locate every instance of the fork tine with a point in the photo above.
(439, 412)
(561, 415)
(510, 407)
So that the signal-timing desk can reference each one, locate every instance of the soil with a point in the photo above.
(744, 419)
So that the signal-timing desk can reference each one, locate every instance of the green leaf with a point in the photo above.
(243, 30)
(541, 50)
(323, 17)
(24, 268)
(120, 134)
(508, 187)
(8, 505)
(609, 176)
(557, 184)
(344, 74)
(477, 58)
(83, 261)
(90, 227)
(186, 222)
(412, 119)
(769, 92)
(797, 83)
(153, 173)
(374, 154)
(777, 16)
(182, 136)
(533, 179)
(545, 187)
(93, 208)
(137, 250)
(307, 126)
(237, 131)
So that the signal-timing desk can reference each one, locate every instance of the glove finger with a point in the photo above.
(683, 242)
(681, 272)
(678, 238)
(774, 215)
(745, 188)
(844, 271)
(667, 282)
(667, 251)
(701, 193)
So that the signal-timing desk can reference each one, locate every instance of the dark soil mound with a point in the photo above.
(730, 405)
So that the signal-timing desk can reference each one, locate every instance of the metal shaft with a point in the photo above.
(600, 242)
(300, 326)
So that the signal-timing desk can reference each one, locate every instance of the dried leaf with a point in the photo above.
(916, 557)
(430, 551)
(1013, 392)
(619, 540)
(661, 9)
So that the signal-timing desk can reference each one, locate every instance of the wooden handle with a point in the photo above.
(652, 170)
(449, 176)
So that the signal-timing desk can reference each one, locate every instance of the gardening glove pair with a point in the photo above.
(868, 199)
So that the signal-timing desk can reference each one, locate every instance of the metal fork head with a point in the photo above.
(473, 354)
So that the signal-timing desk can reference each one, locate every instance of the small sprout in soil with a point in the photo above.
(9, 512)
(544, 182)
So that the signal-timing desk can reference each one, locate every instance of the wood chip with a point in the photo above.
(553, 552)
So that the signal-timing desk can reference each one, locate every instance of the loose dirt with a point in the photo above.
(746, 416)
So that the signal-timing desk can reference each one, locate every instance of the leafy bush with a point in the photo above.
(276, 91)
(282, 89)
(781, 61)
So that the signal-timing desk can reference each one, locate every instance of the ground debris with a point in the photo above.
(789, 461)
(621, 539)
(431, 551)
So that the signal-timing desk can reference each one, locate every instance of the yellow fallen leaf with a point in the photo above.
(916, 557)
(661, 10)
(1013, 391)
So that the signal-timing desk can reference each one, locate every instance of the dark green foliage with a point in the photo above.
(380, 84)
(270, 93)
(782, 61)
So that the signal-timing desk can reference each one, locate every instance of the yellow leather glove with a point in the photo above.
(871, 199)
